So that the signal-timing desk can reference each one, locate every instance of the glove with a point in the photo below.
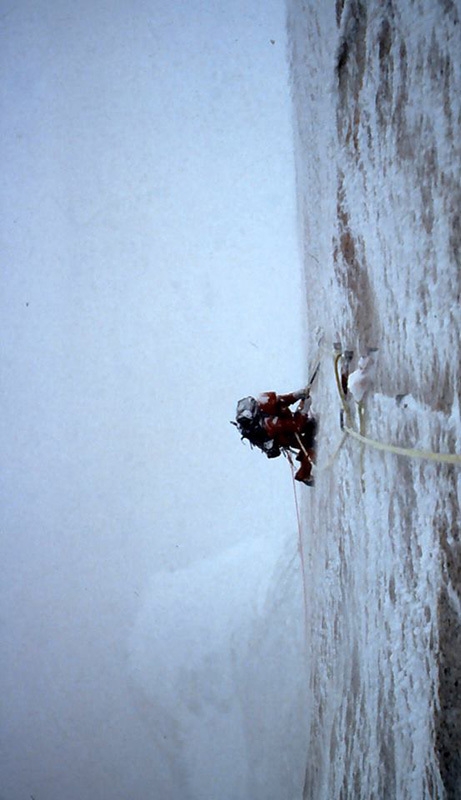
(301, 395)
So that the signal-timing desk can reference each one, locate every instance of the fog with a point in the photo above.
(150, 278)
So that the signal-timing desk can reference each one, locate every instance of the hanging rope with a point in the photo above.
(300, 544)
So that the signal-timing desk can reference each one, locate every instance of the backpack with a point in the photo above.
(249, 422)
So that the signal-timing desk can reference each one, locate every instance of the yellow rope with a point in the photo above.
(329, 463)
(408, 452)
(301, 445)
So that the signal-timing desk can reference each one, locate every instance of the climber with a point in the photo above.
(269, 423)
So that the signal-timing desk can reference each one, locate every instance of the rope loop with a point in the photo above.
(347, 426)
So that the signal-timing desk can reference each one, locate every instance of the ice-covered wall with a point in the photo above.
(376, 89)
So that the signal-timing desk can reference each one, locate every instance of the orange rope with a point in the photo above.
(300, 547)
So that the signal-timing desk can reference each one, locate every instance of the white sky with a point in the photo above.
(150, 279)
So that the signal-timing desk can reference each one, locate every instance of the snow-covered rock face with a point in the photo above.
(377, 103)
